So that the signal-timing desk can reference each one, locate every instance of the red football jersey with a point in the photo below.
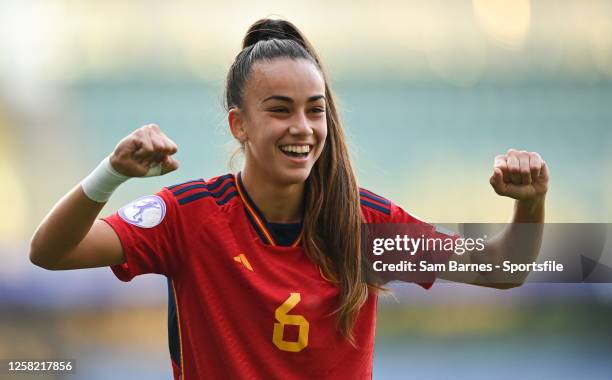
(246, 307)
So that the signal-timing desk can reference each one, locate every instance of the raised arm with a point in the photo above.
(522, 176)
(70, 237)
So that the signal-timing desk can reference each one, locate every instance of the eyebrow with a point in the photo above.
(289, 100)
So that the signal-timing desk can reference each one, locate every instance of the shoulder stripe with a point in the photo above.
(218, 181)
(203, 186)
(194, 197)
(214, 183)
(222, 196)
(374, 201)
(185, 183)
(190, 187)
(221, 191)
(376, 207)
(220, 188)
(227, 198)
(370, 195)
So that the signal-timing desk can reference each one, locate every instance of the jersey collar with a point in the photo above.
(256, 218)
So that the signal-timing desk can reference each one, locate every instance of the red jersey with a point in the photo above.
(246, 307)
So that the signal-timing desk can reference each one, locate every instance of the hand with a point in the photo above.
(143, 149)
(520, 175)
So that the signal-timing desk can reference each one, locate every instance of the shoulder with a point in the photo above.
(191, 200)
(202, 194)
(378, 209)
(373, 202)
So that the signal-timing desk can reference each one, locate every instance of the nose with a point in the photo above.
(300, 125)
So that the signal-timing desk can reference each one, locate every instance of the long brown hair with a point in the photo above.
(332, 216)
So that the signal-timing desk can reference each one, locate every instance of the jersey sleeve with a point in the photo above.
(426, 231)
(387, 219)
(146, 228)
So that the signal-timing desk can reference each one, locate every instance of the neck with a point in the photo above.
(278, 203)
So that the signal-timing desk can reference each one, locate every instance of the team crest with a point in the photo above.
(145, 212)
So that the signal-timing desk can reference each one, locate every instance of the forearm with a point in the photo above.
(531, 211)
(519, 242)
(69, 237)
(522, 176)
(64, 227)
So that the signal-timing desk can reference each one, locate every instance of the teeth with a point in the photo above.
(296, 148)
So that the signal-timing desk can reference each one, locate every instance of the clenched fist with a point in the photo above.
(520, 175)
(144, 152)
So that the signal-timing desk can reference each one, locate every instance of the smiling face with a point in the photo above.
(282, 122)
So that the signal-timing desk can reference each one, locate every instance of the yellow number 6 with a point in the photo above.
(286, 319)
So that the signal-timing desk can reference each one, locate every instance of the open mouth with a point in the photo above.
(296, 151)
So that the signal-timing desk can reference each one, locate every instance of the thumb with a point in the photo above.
(497, 180)
(169, 164)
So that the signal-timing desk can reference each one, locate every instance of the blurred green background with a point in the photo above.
(429, 92)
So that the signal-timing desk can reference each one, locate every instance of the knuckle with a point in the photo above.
(135, 141)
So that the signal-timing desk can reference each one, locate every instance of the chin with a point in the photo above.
(293, 176)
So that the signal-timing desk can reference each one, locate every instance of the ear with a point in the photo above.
(235, 118)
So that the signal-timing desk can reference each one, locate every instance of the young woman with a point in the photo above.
(264, 270)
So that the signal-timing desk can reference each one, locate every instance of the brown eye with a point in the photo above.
(279, 110)
(318, 110)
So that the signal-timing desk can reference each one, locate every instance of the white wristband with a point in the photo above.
(100, 184)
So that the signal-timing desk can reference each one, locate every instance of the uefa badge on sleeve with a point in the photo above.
(145, 212)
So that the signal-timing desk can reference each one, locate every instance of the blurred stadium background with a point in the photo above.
(429, 91)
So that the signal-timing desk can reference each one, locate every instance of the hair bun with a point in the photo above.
(267, 29)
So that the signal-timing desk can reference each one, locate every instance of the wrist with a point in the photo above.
(533, 201)
(100, 184)
(530, 210)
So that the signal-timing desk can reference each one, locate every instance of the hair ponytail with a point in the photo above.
(332, 216)
(267, 29)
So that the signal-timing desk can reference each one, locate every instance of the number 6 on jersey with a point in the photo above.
(287, 319)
